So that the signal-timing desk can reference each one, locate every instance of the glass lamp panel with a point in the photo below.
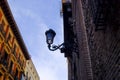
(49, 38)
(50, 34)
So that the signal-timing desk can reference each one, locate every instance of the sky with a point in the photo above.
(33, 18)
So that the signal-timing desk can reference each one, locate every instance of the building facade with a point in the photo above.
(92, 28)
(13, 52)
(30, 71)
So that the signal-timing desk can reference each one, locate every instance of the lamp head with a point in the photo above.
(50, 34)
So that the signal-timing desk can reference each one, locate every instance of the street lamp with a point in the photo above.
(50, 34)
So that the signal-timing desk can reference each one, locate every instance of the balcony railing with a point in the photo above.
(99, 12)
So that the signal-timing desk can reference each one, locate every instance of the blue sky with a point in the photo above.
(33, 18)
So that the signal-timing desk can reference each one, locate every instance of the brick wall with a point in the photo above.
(96, 30)
(104, 45)
(80, 61)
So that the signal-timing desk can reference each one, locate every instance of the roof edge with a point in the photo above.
(8, 14)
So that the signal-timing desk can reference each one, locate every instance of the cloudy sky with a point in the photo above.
(33, 18)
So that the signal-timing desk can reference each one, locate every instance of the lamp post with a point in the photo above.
(50, 34)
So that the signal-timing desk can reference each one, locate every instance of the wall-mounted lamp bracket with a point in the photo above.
(55, 47)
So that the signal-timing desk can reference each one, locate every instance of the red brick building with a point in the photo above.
(13, 52)
(92, 28)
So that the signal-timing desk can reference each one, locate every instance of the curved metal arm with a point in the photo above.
(56, 47)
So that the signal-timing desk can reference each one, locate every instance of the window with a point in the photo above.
(19, 59)
(14, 49)
(30, 78)
(23, 64)
(2, 27)
(3, 24)
(27, 76)
(9, 37)
(22, 77)
(1, 76)
(28, 62)
(10, 69)
(16, 75)
(5, 58)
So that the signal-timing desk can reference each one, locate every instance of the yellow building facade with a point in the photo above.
(13, 53)
(30, 71)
